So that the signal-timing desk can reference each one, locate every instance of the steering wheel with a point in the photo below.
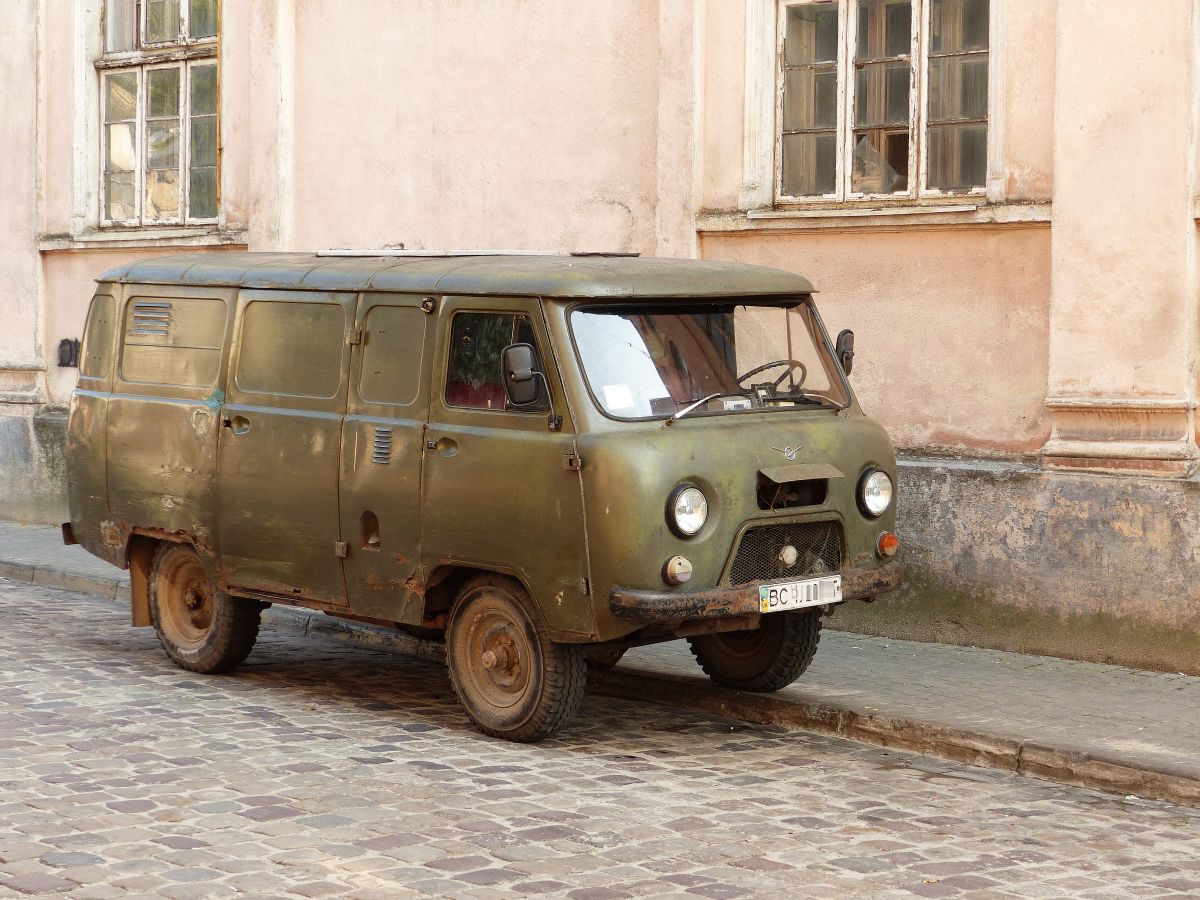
(791, 364)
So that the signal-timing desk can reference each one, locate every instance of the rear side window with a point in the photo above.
(292, 349)
(391, 367)
(474, 377)
(173, 340)
(94, 360)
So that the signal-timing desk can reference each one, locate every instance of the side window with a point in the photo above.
(474, 376)
(292, 349)
(173, 340)
(391, 366)
(97, 338)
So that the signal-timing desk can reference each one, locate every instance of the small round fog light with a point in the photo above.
(677, 570)
(886, 545)
(788, 556)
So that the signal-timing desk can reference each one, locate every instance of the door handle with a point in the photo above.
(238, 424)
(444, 446)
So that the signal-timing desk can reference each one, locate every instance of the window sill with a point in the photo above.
(122, 238)
(867, 216)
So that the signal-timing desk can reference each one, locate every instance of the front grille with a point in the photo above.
(762, 555)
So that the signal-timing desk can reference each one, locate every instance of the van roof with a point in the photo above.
(503, 275)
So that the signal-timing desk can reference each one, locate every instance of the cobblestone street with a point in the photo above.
(321, 768)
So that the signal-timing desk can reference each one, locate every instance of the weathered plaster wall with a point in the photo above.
(1123, 290)
(19, 270)
(951, 325)
(1023, 56)
(524, 125)
(1010, 555)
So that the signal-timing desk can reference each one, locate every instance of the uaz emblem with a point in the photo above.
(789, 453)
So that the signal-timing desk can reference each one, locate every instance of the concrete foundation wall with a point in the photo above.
(32, 463)
(1019, 557)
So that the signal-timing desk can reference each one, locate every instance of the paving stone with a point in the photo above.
(37, 884)
(128, 775)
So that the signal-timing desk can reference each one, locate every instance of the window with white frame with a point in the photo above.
(159, 113)
(881, 98)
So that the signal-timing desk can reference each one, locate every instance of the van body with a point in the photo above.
(541, 459)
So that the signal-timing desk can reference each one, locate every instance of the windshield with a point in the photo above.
(654, 361)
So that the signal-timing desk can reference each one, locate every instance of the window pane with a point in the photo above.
(809, 162)
(120, 97)
(120, 22)
(119, 196)
(118, 148)
(957, 156)
(880, 162)
(202, 193)
(162, 86)
(162, 20)
(958, 87)
(474, 377)
(203, 148)
(957, 25)
(809, 99)
(202, 18)
(162, 194)
(292, 349)
(162, 145)
(204, 90)
(884, 29)
(881, 94)
(812, 34)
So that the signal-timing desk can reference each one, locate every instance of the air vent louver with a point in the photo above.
(382, 451)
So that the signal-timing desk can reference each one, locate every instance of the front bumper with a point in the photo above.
(713, 603)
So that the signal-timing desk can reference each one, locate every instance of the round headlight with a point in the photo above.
(875, 493)
(687, 510)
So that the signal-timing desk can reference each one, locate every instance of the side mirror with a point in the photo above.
(520, 374)
(844, 349)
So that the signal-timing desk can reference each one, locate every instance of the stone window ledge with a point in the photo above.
(121, 238)
(874, 216)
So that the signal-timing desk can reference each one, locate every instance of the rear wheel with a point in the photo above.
(201, 628)
(769, 658)
(514, 682)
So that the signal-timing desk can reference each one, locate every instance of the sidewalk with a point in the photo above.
(1123, 730)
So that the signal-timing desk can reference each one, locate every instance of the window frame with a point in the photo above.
(918, 190)
(184, 54)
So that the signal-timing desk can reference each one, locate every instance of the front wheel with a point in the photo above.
(201, 628)
(513, 681)
(769, 658)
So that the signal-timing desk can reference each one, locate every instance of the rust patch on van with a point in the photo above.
(113, 534)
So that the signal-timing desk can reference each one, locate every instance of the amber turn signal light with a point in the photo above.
(886, 545)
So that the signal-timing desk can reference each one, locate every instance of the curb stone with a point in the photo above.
(1059, 764)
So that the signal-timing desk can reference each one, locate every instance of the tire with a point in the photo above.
(201, 628)
(514, 682)
(769, 658)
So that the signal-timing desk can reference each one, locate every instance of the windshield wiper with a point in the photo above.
(687, 409)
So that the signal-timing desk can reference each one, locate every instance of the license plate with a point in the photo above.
(800, 594)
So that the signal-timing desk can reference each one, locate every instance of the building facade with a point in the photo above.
(1001, 198)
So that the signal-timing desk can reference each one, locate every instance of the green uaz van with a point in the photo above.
(542, 460)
